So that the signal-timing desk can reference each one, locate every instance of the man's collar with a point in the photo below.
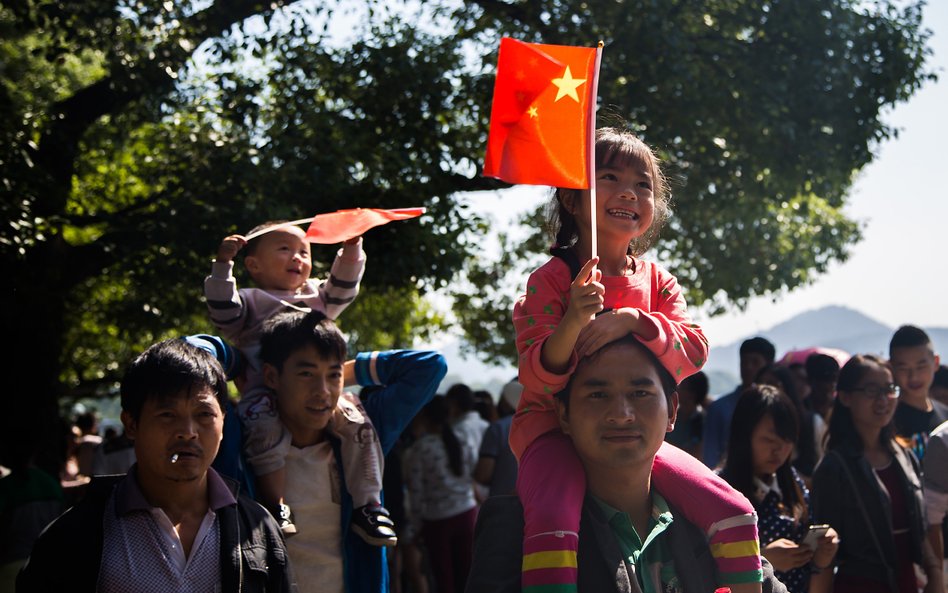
(129, 496)
(659, 507)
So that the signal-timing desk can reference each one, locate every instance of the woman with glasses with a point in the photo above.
(868, 488)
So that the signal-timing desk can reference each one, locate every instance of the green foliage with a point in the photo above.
(389, 318)
(135, 135)
(762, 111)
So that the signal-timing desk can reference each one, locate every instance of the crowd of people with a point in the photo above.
(602, 466)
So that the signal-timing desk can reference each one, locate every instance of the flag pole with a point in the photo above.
(276, 226)
(591, 152)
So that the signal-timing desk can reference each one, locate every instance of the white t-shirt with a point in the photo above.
(312, 491)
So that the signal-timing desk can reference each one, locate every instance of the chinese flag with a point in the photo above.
(342, 225)
(542, 116)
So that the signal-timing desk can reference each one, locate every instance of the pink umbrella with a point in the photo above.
(799, 356)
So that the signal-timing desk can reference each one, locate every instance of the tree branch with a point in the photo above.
(72, 116)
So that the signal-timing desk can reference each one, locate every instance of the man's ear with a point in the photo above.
(271, 376)
(131, 427)
(672, 411)
(937, 361)
(562, 415)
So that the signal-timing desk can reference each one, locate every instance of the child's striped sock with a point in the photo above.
(549, 563)
(735, 548)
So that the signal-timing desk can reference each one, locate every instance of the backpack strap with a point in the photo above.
(865, 517)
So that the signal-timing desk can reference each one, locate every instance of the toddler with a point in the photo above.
(279, 262)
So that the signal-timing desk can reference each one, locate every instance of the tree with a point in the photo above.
(763, 112)
(131, 160)
(134, 135)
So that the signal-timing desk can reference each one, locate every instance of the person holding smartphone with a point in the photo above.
(869, 487)
(764, 429)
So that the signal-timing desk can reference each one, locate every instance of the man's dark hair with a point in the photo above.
(941, 377)
(761, 346)
(461, 396)
(166, 370)
(668, 383)
(290, 331)
(821, 367)
(697, 383)
(909, 336)
(86, 422)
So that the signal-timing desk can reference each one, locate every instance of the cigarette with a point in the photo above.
(174, 458)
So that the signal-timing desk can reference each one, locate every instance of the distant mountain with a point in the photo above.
(829, 327)
(832, 327)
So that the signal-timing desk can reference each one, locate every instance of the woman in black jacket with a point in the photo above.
(868, 488)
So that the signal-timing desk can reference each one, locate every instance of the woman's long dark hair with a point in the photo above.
(842, 429)
(806, 441)
(756, 402)
(436, 414)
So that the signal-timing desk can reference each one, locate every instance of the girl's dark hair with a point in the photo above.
(841, 428)
(756, 402)
(436, 415)
(806, 440)
(615, 147)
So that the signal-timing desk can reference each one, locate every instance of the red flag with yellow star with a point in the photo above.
(542, 119)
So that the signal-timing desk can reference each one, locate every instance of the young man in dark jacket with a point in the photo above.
(172, 523)
(617, 407)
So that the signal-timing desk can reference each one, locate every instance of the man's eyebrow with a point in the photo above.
(304, 364)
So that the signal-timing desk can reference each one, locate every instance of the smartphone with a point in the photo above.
(813, 535)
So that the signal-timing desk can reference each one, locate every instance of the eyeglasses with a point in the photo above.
(890, 391)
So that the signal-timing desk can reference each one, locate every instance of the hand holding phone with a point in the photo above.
(813, 535)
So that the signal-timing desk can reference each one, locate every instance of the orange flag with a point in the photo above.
(341, 225)
(542, 116)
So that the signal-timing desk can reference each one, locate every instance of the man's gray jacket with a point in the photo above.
(498, 552)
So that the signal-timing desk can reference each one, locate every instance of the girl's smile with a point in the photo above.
(625, 204)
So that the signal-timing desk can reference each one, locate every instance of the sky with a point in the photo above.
(897, 274)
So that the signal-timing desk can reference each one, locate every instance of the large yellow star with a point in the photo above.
(566, 86)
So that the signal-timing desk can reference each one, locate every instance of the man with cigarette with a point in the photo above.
(172, 523)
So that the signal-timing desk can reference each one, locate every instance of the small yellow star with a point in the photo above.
(520, 75)
(567, 86)
(521, 97)
(533, 112)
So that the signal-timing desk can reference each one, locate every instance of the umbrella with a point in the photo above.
(799, 356)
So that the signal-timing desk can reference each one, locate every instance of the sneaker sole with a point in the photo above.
(375, 541)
